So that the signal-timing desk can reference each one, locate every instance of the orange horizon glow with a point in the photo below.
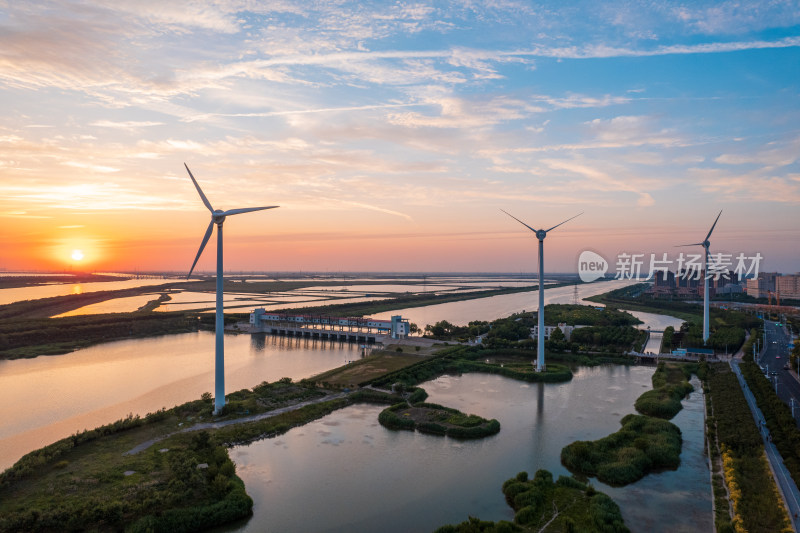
(391, 136)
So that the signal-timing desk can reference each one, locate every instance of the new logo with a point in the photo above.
(591, 266)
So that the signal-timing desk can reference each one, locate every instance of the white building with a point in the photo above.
(548, 330)
(398, 327)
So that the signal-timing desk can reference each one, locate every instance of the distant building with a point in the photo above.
(689, 284)
(398, 327)
(788, 286)
(762, 285)
(548, 330)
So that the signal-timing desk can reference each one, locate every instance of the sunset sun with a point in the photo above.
(77, 255)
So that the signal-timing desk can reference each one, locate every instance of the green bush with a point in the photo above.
(642, 445)
(580, 508)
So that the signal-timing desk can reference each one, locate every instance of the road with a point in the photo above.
(787, 486)
(774, 357)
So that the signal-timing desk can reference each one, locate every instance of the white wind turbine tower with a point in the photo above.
(218, 217)
(705, 244)
(540, 234)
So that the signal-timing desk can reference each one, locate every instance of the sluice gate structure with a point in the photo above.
(353, 329)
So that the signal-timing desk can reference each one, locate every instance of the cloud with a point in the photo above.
(372, 207)
(461, 113)
(756, 186)
(632, 131)
(736, 17)
(88, 166)
(86, 197)
(302, 111)
(775, 155)
(599, 180)
(125, 125)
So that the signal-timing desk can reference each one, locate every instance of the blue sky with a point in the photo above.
(392, 133)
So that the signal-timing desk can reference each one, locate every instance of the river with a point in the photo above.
(48, 398)
(345, 471)
(51, 397)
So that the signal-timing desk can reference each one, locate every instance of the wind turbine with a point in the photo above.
(218, 217)
(540, 234)
(705, 244)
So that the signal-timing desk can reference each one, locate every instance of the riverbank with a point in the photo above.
(26, 329)
(114, 474)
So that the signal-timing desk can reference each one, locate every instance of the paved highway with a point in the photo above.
(786, 485)
(774, 358)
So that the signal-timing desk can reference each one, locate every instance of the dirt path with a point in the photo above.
(222, 423)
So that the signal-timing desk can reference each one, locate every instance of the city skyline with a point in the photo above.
(392, 134)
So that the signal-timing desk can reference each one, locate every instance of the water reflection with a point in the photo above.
(103, 383)
(345, 472)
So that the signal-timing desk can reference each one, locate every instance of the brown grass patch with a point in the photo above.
(374, 366)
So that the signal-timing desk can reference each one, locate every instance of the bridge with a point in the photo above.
(354, 329)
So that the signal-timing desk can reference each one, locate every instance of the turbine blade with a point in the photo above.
(518, 220)
(246, 210)
(202, 245)
(202, 196)
(683, 245)
(715, 223)
(557, 225)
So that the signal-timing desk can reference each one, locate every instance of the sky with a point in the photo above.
(392, 134)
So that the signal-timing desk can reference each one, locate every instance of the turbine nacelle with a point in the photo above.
(706, 244)
(540, 233)
(217, 217)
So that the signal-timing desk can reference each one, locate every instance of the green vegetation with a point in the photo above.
(540, 504)
(9, 282)
(670, 386)
(726, 336)
(606, 338)
(185, 483)
(633, 299)
(93, 487)
(460, 359)
(30, 337)
(437, 420)
(727, 327)
(644, 444)
(506, 332)
(586, 315)
(740, 473)
(777, 415)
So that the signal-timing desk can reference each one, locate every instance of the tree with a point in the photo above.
(557, 335)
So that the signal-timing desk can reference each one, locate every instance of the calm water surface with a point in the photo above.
(8, 296)
(48, 398)
(494, 307)
(345, 472)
